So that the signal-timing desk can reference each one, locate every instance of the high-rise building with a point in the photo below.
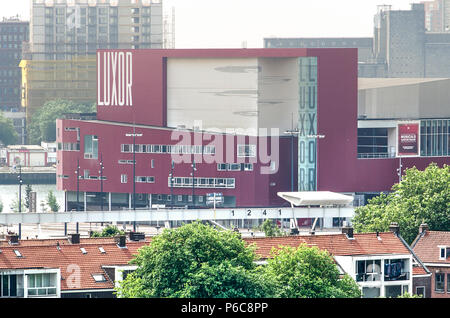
(405, 44)
(59, 62)
(13, 32)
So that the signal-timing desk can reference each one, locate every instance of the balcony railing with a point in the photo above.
(402, 276)
(368, 277)
(373, 277)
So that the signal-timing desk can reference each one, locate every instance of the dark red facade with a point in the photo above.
(339, 169)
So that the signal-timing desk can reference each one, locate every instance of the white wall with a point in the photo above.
(278, 102)
(223, 92)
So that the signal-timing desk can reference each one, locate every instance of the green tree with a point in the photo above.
(28, 190)
(14, 206)
(8, 134)
(42, 126)
(108, 231)
(421, 196)
(408, 295)
(308, 272)
(52, 202)
(270, 229)
(195, 260)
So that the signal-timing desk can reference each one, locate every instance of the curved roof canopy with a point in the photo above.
(315, 198)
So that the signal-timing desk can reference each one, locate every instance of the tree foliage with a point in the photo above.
(52, 202)
(42, 126)
(8, 134)
(195, 260)
(109, 231)
(308, 272)
(421, 196)
(270, 229)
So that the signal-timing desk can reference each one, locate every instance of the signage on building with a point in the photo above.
(408, 139)
(114, 78)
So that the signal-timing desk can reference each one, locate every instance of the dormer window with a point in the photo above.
(442, 252)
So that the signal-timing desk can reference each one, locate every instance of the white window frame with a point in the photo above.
(123, 178)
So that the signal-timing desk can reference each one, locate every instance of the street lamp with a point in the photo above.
(292, 132)
(171, 183)
(101, 181)
(19, 178)
(77, 172)
(134, 135)
(193, 181)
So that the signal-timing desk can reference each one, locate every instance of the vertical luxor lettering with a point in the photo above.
(115, 87)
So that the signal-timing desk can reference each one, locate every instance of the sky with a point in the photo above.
(230, 23)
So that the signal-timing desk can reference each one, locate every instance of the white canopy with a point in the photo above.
(315, 198)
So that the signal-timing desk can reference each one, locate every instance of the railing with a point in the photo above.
(368, 277)
(402, 276)
(373, 277)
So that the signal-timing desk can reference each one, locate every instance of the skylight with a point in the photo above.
(99, 277)
(17, 253)
(101, 249)
(83, 250)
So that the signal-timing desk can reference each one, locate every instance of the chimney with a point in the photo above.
(137, 236)
(121, 241)
(394, 228)
(74, 238)
(423, 228)
(348, 230)
(13, 239)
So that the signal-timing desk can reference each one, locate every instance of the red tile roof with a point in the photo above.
(44, 254)
(427, 249)
(335, 244)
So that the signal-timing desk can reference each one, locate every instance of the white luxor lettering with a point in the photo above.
(129, 78)
(121, 79)
(117, 68)
(106, 80)
(114, 67)
(99, 101)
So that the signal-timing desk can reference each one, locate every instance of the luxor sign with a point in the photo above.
(114, 78)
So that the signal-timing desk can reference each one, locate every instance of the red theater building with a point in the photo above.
(175, 126)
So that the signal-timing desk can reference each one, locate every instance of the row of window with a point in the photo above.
(235, 167)
(38, 285)
(140, 179)
(228, 183)
(172, 149)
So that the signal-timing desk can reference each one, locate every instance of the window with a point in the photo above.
(101, 249)
(200, 198)
(420, 290)
(180, 198)
(123, 178)
(153, 163)
(372, 142)
(99, 278)
(370, 292)
(246, 151)
(435, 137)
(90, 147)
(42, 284)
(439, 282)
(189, 198)
(368, 270)
(9, 286)
(448, 284)
(17, 253)
(83, 250)
(442, 252)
